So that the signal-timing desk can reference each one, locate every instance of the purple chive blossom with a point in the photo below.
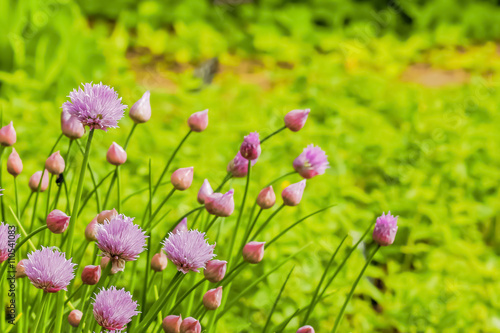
(48, 269)
(385, 230)
(312, 162)
(250, 148)
(8, 239)
(96, 106)
(189, 250)
(238, 166)
(114, 308)
(120, 240)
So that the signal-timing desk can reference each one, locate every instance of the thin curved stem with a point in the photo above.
(272, 134)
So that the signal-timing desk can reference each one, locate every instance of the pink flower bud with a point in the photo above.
(219, 204)
(215, 270)
(250, 148)
(204, 192)
(385, 230)
(140, 112)
(14, 164)
(293, 193)
(159, 262)
(57, 221)
(106, 215)
(238, 166)
(116, 155)
(91, 230)
(253, 252)
(212, 298)
(91, 274)
(71, 126)
(104, 262)
(20, 272)
(35, 180)
(8, 135)
(306, 329)
(190, 325)
(181, 226)
(75, 317)
(266, 198)
(116, 265)
(198, 121)
(296, 119)
(172, 324)
(182, 178)
(55, 164)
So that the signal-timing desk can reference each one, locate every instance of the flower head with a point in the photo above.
(8, 240)
(48, 269)
(250, 148)
(296, 119)
(219, 204)
(14, 164)
(140, 112)
(120, 240)
(190, 325)
(215, 270)
(91, 274)
(312, 162)
(35, 181)
(159, 262)
(91, 230)
(75, 317)
(204, 192)
(96, 106)
(116, 155)
(182, 178)
(172, 324)
(212, 298)
(71, 126)
(114, 308)
(292, 195)
(306, 329)
(238, 166)
(198, 121)
(266, 198)
(55, 164)
(8, 135)
(57, 221)
(385, 230)
(253, 252)
(181, 226)
(189, 250)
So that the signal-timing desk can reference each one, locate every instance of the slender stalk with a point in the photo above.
(27, 238)
(118, 190)
(33, 216)
(263, 225)
(277, 300)
(2, 148)
(41, 313)
(26, 205)
(23, 232)
(17, 196)
(47, 206)
(179, 301)
(272, 134)
(211, 223)
(341, 313)
(249, 230)
(89, 195)
(152, 217)
(73, 293)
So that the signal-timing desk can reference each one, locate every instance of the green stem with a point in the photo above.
(23, 232)
(118, 190)
(41, 313)
(27, 238)
(211, 223)
(179, 301)
(26, 205)
(2, 148)
(272, 134)
(33, 216)
(263, 225)
(85, 321)
(160, 207)
(17, 196)
(341, 313)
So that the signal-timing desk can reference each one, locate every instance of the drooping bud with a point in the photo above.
(20, 272)
(55, 164)
(266, 198)
(116, 155)
(219, 204)
(57, 221)
(91, 230)
(71, 126)
(159, 262)
(296, 119)
(212, 298)
(190, 325)
(312, 162)
(385, 230)
(106, 215)
(140, 112)
(305, 329)
(172, 324)
(91, 274)
(75, 317)
(250, 148)
(253, 252)
(181, 226)
(215, 270)
(182, 178)
(35, 180)
(204, 192)
(293, 193)
(14, 164)
(198, 121)
(8, 135)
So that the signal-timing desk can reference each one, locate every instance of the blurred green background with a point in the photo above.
(404, 100)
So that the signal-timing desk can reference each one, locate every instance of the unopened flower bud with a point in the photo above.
(91, 274)
(71, 126)
(182, 178)
(238, 166)
(14, 164)
(8, 135)
(116, 155)
(385, 230)
(91, 230)
(140, 112)
(253, 252)
(204, 192)
(159, 262)
(219, 204)
(293, 193)
(215, 270)
(57, 221)
(35, 180)
(212, 298)
(181, 226)
(172, 324)
(296, 119)
(75, 317)
(266, 198)
(305, 329)
(190, 325)
(198, 121)
(55, 164)
(20, 272)
(106, 215)
(250, 148)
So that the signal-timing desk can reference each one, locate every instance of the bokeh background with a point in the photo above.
(404, 100)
